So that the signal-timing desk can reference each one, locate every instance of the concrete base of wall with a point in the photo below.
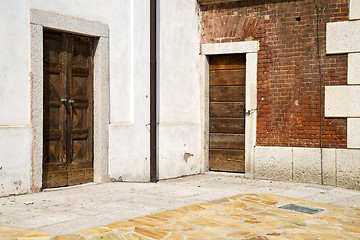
(336, 167)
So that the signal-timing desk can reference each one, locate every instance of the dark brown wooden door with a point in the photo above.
(68, 109)
(227, 113)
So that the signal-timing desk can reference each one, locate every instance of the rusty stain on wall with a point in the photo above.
(187, 156)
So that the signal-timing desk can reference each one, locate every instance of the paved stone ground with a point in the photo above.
(74, 209)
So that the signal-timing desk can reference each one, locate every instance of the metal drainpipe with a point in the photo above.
(153, 94)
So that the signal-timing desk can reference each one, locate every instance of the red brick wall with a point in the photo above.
(289, 76)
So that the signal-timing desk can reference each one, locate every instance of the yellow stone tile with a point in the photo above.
(169, 228)
(199, 234)
(247, 197)
(31, 234)
(5, 231)
(243, 234)
(324, 227)
(123, 231)
(151, 221)
(253, 210)
(352, 229)
(294, 221)
(122, 225)
(134, 236)
(30, 238)
(219, 201)
(235, 204)
(222, 219)
(69, 237)
(175, 236)
(170, 214)
(327, 217)
(94, 231)
(302, 236)
(277, 238)
(270, 222)
(194, 207)
(237, 212)
(329, 234)
(267, 202)
(213, 206)
(219, 230)
(107, 236)
(187, 217)
(236, 197)
(298, 215)
(251, 204)
(151, 232)
(184, 226)
(204, 222)
(289, 226)
(296, 230)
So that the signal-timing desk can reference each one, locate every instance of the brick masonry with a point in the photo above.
(293, 68)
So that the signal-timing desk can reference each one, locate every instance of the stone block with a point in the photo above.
(230, 48)
(342, 101)
(274, 163)
(343, 37)
(348, 168)
(354, 9)
(353, 132)
(307, 165)
(353, 68)
(329, 166)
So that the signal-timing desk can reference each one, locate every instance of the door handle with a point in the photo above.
(71, 101)
(63, 100)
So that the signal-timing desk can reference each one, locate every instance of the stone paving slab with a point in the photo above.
(245, 216)
(73, 209)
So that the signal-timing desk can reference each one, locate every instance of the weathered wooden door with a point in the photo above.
(227, 113)
(68, 109)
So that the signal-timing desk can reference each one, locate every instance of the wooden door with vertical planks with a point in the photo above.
(227, 112)
(67, 109)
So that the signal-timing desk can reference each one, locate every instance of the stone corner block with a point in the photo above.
(342, 37)
(273, 163)
(329, 166)
(307, 165)
(353, 132)
(354, 10)
(342, 101)
(353, 68)
(348, 168)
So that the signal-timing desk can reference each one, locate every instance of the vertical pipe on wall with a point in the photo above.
(153, 93)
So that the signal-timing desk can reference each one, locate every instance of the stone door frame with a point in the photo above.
(250, 48)
(39, 20)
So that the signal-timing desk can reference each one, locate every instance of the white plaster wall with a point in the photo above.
(15, 160)
(129, 83)
(179, 117)
(14, 63)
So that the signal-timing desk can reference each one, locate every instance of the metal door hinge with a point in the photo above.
(248, 112)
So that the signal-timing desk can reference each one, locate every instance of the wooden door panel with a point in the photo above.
(227, 113)
(54, 135)
(81, 93)
(227, 125)
(227, 93)
(227, 77)
(68, 145)
(227, 141)
(231, 61)
(226, 165)
(227, 109)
